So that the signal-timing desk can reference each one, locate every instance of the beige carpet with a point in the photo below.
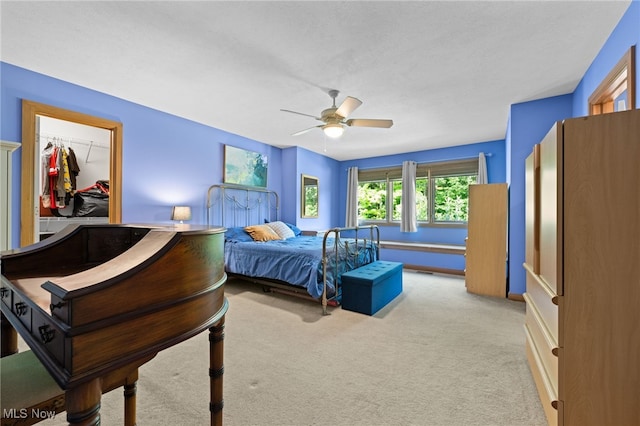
(436, 355)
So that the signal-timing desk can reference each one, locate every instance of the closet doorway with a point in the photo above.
(37, 119)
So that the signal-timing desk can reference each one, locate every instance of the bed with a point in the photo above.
(304, 265)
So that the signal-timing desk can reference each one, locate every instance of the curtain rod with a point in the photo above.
(486, 154)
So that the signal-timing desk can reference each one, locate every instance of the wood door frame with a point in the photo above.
(624, 72)
(30, 110)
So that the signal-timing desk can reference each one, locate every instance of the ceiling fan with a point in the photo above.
(335, 118)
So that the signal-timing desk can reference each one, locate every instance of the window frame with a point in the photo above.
(430, 171)
(455, 223)
(386, 204)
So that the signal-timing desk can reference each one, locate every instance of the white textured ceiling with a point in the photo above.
(445, 72)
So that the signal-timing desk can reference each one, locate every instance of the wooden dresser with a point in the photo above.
(582, 266)
(486, 244)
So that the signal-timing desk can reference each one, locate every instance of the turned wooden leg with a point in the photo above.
(83, 403)
(130, 390)
(8, 337)
(216, 371)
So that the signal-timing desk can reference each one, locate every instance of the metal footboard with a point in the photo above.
(329, 250)
(233, 205)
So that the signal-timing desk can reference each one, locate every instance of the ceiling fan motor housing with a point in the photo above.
(329, 116)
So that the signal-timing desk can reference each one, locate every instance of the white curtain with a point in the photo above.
(352, 198)
(482, 169)
(408, 221)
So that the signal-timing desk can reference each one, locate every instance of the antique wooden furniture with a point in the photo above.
(582, 267)
(94, 302)
(486, 244)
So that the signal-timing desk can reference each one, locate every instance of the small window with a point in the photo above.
(396, 199)
(422, 199)
(451, 195)
(372, 200)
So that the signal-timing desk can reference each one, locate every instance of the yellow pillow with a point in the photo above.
(262, 233)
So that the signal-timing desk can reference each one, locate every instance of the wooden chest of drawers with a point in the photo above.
(582, 267)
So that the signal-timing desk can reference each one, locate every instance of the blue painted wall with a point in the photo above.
(495, 169)
(296, 162)
(432, 234)
(290, 185)
(625, 35)
(169, 160)
(529, 122)
(326, 170)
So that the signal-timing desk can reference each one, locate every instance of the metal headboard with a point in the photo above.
(234, 205)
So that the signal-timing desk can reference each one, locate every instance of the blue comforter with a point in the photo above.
(297, 261)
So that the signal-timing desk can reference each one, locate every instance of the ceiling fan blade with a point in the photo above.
(305, 130)
(301, 113)
(366, 122)
(348, 106)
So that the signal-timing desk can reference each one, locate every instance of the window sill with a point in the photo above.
(426, 247)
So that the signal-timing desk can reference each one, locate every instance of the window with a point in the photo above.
(442, 193)
(372, 200)
(451, 198)
(422, 199)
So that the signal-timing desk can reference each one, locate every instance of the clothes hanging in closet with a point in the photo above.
(74, 168)
(57, 186)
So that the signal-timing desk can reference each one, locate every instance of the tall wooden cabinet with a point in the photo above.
(486, 245)
(583, 270)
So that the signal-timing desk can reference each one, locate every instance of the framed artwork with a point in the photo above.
(242, 167)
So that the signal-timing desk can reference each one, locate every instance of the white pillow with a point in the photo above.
(281, 229)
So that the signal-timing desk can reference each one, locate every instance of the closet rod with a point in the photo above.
(44, 137)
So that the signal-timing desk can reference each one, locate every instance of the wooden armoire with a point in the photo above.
(582, 267)
(486, 244)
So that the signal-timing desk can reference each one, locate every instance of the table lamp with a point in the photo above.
(181, 213)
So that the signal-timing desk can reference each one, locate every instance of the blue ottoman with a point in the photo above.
(369, 288)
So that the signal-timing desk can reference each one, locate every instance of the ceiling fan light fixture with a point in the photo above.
(333, 130)
(335, 118)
